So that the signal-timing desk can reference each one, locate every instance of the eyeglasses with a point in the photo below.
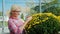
(16, 11)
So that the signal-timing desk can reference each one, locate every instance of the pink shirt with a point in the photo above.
(14, 25)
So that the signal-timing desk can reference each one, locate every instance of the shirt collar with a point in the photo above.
(13, 17)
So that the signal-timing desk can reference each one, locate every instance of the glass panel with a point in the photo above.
(1, 19)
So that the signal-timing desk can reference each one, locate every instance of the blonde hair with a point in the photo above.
(14, 7)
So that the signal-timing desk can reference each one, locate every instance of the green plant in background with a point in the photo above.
(0, 13)
(52, 7)
(22, 16)
(43, 23)
(33, 11)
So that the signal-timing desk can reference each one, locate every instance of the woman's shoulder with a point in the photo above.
(10, 20)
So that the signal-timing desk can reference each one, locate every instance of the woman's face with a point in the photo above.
(16, 13)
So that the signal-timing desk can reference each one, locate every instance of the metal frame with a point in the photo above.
(3, 16)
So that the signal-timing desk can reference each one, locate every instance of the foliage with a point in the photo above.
(0, 13)
(58, 18)
(49, 7)
(54, 10)
(22, 16)
(43, 23)
(32, 11)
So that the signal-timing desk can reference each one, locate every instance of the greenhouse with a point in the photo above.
(45, 16)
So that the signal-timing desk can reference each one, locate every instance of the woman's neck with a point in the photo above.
(14, 17)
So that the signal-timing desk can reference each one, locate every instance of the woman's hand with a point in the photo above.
(29, 18)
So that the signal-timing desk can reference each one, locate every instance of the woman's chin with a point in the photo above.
(16, 15)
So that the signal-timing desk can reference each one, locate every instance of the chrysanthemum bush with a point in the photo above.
(58, 17)
(43, 23)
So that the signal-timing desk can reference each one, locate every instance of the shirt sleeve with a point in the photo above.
(12, 26)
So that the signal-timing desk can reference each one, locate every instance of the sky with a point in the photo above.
(9, 3)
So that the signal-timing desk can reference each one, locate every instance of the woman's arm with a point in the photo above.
(22, 27)
(12, 26)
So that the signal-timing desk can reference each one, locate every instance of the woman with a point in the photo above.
(15, 24)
